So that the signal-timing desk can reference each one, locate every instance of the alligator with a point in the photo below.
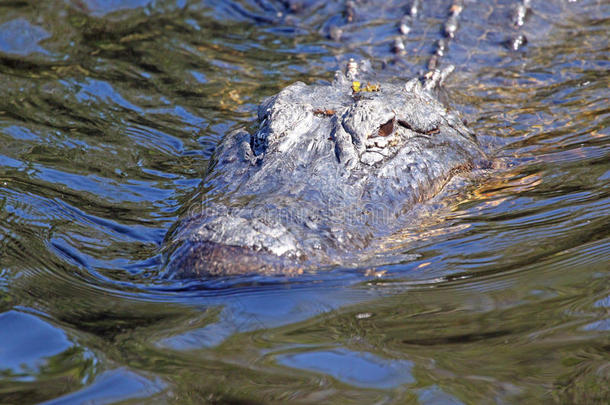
(333, 170)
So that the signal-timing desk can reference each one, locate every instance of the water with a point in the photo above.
(108, 116)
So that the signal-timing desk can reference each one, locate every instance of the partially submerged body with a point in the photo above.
(332, 171)
(337, 171)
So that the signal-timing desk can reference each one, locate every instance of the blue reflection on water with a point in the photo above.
(19, 37)
(110, 387)
(101, 8)
(26, 342)
(355, 368)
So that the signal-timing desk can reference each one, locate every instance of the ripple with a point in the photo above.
(20, 37)
(113, 386)
(110, 117)
(360, 369)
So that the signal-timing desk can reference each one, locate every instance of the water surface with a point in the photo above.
(109, 114)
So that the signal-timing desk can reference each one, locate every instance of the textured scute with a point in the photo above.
(328, 172)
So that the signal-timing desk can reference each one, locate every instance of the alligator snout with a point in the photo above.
(197, 259)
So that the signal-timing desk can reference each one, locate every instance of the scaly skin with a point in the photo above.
(329, 173)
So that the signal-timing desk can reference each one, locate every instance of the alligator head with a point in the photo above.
(331, 169)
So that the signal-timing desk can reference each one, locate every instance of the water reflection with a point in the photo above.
(19, 37)
(39, 357)
(110, 112)
(101, 8)
(359, 369)
(26, 343)
(111, 387)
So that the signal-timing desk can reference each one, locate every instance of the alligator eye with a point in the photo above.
(405, 124)
(387, 128)
(432, 131)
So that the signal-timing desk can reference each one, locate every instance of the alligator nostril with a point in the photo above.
(387, 128)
